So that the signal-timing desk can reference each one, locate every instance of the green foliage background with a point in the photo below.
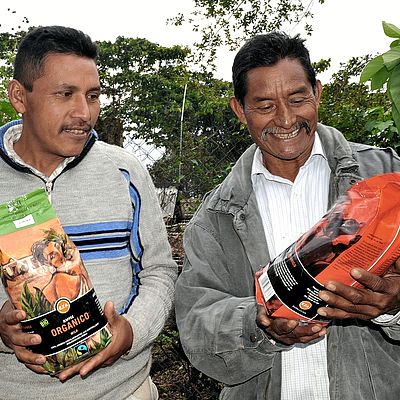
(144, 84)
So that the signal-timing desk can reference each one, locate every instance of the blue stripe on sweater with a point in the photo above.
(96, 255)
(136, 203)
(101, 240)
(136, 246)
(111, 226)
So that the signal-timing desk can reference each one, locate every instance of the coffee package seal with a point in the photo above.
(362, 230)
(43, 274)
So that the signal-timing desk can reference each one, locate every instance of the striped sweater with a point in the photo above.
(107, 204)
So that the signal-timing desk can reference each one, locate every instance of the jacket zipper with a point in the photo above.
(49, 189)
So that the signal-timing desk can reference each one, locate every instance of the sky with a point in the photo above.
(342, 28)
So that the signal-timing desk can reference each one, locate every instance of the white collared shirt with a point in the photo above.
(288, 209)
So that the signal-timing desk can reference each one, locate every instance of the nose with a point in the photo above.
(285, 117)
(81, 108)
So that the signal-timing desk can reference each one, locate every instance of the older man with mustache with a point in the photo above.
(280, 187)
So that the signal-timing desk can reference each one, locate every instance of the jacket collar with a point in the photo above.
(338, 150)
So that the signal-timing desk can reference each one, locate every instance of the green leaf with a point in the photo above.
(394, 94)
(371, 68)
(374, 111)
(105, 338)
(394, 87)
(391, 58)
(395, 43)
(383, 125)
(60, 358)
(70, 357)
(379, 78)
(42, 305)
(391, 30)
(5, 106)
(49, 365)
(396, 117)
(7, 112)
(27, 302)
(370, 125)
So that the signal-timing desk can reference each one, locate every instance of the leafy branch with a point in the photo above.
(36, 304)
(229, 23)
(385, 70)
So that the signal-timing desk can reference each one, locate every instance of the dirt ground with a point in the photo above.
(174, 376)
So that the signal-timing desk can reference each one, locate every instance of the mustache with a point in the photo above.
(298, 125)
(84, 127)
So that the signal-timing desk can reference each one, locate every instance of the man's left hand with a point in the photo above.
(380, 295)
(122, 339)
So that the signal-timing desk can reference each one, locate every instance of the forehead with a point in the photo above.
(68, 68)
(285, 76)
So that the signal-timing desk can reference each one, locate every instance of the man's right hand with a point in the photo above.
(12, 335)
(288, 331)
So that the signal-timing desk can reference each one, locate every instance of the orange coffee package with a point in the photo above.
(361, 230)
(43, 275)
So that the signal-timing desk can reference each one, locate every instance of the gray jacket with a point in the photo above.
(215, 307)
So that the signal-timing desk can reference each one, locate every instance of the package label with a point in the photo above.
(43, 275)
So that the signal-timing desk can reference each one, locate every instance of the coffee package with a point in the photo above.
(361, 230)
(43, 275)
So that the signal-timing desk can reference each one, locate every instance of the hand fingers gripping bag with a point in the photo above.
(43, 275)
(361, 230)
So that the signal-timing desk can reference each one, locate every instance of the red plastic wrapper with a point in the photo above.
(362, 230)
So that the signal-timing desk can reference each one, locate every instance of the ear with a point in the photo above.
(16, 95)
(318, 91)
(237, 108)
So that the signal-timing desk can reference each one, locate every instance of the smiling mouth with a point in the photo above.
(285, 136)
(76, 132)
(277, 133)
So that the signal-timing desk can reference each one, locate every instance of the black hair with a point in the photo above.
(267, 50)
(42, 41)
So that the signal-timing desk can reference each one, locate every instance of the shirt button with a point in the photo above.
(253, 338)
(242, 217)
(318, 372)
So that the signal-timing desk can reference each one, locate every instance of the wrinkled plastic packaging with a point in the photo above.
(43, 274)
(361, 230)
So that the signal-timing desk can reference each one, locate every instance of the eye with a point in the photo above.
(297, 100)
(260, 108)
(93, 96)
(65, 93)
(264, 109)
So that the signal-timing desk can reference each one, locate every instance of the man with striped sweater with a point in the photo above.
(107, 204)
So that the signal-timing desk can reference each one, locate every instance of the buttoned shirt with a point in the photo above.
(288, 209)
